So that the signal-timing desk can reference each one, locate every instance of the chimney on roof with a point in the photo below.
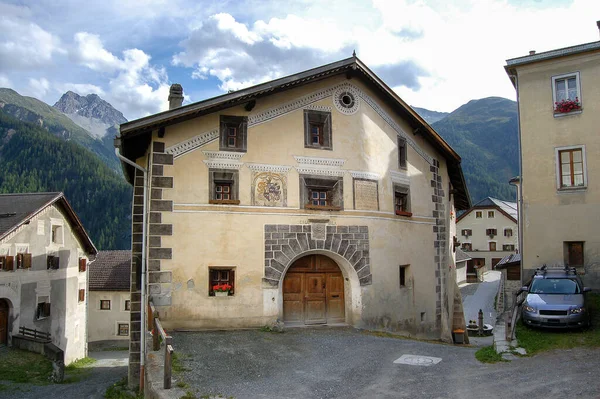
(175, 96)
(531, 52)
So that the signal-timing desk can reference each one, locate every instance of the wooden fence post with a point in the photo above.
(168, 362)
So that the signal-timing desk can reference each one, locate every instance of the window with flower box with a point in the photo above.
(467, 232)
(466, 246)
(221, 279)
(566, 93)
(321, 193)
(402, 200)
(223, 184)
(508, 232)
(508, 247)
(571, 168)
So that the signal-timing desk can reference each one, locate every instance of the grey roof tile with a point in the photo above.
(16, 208)
(111, 271)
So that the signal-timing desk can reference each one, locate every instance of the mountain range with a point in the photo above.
(69, 148)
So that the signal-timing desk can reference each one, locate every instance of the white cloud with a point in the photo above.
(90, 52)
(135, 87)
(79, 88)
(24, 44)
(38, 88)
(5, 81)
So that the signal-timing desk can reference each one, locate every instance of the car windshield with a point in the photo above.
(562, 286)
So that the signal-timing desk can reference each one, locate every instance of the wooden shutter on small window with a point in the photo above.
(81, 295)
(232, 281)
(10, 263)
(46, 309)
(2, 262)
(27, 261)
(82, 264)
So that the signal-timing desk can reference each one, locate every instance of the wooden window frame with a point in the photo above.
(218, 270)
(402, 152)
(467, 232)
(52, 262)
(82, 265)
(493, 244)
(7, 263)
(23, 260)
(333, 186)
(119, 324)
(322, 120)
(240, 125)
(402, 275)
(402, 191)
(43, 309)
(508, 232)
(221, 177)
(127, 305)
(559, 167)
(508, 247)
(491, 214)
(478, 215)
(103, 301)
(491, 232)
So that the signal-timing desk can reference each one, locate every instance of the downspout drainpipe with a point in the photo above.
(144, 303)
(520, 187)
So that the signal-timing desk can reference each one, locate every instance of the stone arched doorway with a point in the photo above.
(4, 312)
(313, 292)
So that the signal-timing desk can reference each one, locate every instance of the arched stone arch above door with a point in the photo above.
(284, 243)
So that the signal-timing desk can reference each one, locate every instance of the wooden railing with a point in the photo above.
(35, 334)
(159, 336)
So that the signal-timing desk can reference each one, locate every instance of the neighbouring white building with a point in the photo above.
(109, 299)
(44, 251)
(487, 232)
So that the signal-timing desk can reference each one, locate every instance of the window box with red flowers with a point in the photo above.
(222, 289)
(567, 106)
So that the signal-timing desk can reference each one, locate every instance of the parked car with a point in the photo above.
(556, 299)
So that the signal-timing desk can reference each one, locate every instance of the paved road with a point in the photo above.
(110, 367)
(346, 363)
(481, 296)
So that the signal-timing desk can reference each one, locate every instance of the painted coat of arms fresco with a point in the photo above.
(269, 189)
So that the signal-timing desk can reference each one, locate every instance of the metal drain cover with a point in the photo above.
(416, 360)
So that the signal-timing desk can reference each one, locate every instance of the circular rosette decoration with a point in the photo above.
(346, 100)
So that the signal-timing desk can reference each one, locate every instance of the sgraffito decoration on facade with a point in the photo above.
(269, 189)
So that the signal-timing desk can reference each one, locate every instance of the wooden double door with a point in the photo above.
(3, 322)
(313, 292)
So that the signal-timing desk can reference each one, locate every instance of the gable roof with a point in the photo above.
(508, 260)
(462, 256)
(18, 209)
(111, 271)
(135, 135)
(509, 209)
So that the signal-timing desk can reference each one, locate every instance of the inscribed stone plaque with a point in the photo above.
(365, 195)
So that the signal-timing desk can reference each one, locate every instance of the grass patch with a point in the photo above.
(177, 364)
(488, 355)
(25, 367)
(78, 370)
(539, 340)
(119, 390)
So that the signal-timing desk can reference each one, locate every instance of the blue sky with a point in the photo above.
(435, 54)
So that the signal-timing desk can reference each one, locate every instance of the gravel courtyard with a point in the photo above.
(328, 362)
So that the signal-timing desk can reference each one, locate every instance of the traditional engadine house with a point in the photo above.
(44, 251)
(109, 298)
(320, 198)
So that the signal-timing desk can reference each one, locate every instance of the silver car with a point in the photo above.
(555, 299)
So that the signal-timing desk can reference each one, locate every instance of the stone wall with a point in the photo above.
(284, 243)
